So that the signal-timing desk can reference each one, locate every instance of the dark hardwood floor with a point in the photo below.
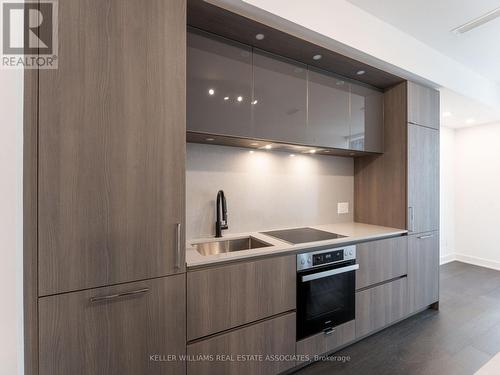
(458, 339)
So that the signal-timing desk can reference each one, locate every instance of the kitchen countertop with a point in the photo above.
(354, 232)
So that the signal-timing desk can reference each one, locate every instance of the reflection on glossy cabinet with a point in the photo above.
(280, 98)
(328, 110)
(423, 105)
(423, 179)
(423, 270)
(112, 145)
(113, 334)
(367, 128)
(219, 85)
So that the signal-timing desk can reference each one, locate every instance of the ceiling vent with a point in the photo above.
(466, 27)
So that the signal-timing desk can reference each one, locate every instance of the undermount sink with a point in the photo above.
(226, 246)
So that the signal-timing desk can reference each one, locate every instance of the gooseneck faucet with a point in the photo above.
(220, 224)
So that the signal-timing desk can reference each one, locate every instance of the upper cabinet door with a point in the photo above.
(219, 85)
(423, 179)
(280, 98)
(112, 145)
(423, 105)
(329, 119)
(367, 119)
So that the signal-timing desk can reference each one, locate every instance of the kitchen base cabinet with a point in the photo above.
(127, 329)
(225, 297)
(381, 261)
(325, 342)
(423, 270)
(267, 347)
(380, 306)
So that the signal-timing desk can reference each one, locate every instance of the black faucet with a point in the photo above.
(220, 205)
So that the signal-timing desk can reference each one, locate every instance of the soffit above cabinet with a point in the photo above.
(222, 22)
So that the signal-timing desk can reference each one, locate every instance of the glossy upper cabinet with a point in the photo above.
(238, 91)
(111, 153)
(279, 106)
(367, 119)
(219, 85)
(329, 122)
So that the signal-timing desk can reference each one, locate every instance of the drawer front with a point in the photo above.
(322, 343)
(225, 297)
(115, 335)
(423, 272)
(381, 261)
(380, 306)
(249, 350)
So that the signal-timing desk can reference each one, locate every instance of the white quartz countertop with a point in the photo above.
(354, 232)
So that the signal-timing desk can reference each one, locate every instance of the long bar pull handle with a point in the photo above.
(411, 219)
(118, 295)
(426, 236)
(178, 246)
(335, 271)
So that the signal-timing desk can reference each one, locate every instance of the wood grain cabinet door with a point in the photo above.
(112, 145)
(423, 179)
(423, 270)
(423, 105)
(137, 332)
(381, 261)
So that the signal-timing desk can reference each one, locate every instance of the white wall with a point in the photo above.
(11, 152)
(264, 189)
(477, 199)
(447, 194)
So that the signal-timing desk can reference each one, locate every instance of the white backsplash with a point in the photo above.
(264, 189)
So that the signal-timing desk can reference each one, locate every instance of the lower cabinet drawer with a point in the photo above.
(322, 343)
(381, 261)
(380, 306)
(126, 329)
(267, 347)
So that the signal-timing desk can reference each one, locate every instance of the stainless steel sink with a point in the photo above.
(225, 246)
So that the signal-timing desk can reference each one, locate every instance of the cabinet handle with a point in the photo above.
(118, 295)
(178, 247)
(411, 218)
(328, 331)
(426, 236)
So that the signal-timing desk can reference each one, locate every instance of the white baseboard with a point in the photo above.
(447, 258)
(493, 264)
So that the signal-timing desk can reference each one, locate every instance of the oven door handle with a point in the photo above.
(336, 271)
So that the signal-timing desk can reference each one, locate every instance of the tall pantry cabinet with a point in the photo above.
(110, 189)
(401, 187)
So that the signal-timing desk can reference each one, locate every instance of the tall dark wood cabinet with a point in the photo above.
(111, 187)
(401, 187)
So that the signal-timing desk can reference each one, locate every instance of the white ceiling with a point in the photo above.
(457, 111)
(431, 22)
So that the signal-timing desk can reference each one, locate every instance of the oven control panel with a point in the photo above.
(323, 257)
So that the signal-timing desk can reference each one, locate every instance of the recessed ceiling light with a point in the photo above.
(470, 121)
(317, 57)
(211, 91)
(255, 101)
(360, 72)
(312, 151)
(209, 139)
(252, 151)
(260, 36)
(446, 114)
(292, 155)
(226, 98)
(254, 144)
(239, 98)
(268, 147)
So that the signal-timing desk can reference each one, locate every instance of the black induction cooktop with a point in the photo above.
(302, 235)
